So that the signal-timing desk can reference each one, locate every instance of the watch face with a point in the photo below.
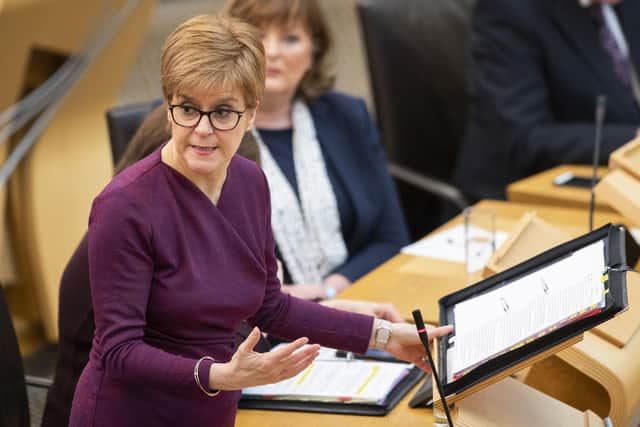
(382, 336)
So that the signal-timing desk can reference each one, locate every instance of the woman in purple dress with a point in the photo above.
(181, 251)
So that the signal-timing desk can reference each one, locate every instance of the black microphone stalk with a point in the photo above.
(422, 332)
(601, 108)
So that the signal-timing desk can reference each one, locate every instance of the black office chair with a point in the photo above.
(17, 393)
(123, 121)
(417, 53)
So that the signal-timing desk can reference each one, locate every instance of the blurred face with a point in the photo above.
(289, 53)
(200, 149)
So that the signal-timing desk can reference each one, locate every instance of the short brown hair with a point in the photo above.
(208, 51)
(263, 13)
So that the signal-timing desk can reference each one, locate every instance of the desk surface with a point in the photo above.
(401, 416)
(539, 189)
(413, 282)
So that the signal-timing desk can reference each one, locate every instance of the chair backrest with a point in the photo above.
(417, 54)
(14, 406)
(123, 121)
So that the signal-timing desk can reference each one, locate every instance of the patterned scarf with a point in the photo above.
(307, 231)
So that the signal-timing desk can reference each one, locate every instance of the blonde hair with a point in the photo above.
(262, 14)
(213, 51)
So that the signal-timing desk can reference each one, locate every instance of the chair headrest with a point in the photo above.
(123, 122)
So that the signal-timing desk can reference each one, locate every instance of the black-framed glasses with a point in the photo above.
(221, 118)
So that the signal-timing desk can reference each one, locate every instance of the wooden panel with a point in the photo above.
(529, 237)
(401, 416)
(627, 158)
(71, 162)
(539, 189)
(560, 380)
(622, 191)
(510, 403)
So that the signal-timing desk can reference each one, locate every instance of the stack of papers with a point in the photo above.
(335, 379)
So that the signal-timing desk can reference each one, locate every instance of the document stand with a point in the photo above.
(529, 237)
(603, 365)
(616, 244)
(621, 187)
(622, 192)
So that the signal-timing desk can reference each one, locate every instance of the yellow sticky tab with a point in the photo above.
(604, 278)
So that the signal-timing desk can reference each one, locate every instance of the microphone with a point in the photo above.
(422, 332)
(601, 109)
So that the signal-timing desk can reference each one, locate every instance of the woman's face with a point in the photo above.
(202, 151)
(289, 53)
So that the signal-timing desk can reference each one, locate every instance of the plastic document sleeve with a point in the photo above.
(337, 385)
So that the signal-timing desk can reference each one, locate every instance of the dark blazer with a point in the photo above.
(536, 69)
(352, 151)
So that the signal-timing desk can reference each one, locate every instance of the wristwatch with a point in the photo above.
(382, 334)
(329, 292)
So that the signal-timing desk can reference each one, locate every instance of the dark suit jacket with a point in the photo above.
(536, 69)
(352, 151)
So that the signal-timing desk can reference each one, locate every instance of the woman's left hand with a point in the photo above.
(405, 343)
(376, 309)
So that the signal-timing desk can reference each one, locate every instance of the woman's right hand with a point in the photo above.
(248, 368)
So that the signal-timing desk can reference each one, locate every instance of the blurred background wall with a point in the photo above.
(143, 82)
(45, 204)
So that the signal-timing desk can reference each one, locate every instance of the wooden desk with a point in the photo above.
(412, 282)
(539, 189)
(401, 416)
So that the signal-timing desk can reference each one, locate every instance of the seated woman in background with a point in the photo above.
(335, 210)
(189, 222)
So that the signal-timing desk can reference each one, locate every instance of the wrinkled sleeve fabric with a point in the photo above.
(510, 91)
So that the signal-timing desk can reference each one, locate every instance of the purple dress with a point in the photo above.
(172, 275)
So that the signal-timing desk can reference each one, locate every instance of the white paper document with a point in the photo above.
(334, 379)
(448, 245)
(495, 322)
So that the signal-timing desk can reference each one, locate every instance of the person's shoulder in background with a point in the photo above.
(349, 106)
